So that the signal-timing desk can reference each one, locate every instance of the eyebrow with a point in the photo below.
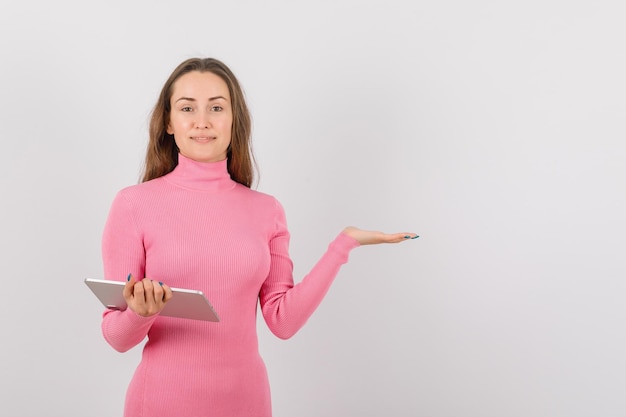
(193, 99)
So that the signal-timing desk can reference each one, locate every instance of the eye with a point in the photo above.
(186, 109)
(217, 108)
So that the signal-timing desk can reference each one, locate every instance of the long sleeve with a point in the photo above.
(123, 253)
(196, 228)
(287, 307)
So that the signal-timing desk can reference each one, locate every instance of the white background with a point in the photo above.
(494, 129)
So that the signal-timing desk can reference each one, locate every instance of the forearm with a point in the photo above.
(124, 330)
(123, 253)
(286, 308)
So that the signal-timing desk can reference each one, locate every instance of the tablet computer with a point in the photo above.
(189, 304)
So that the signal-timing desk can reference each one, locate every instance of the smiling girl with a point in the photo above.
(194, 222)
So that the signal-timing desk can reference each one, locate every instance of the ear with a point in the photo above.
(169, 129)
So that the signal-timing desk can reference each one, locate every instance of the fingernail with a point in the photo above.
(128, 277)
(415, 237)
(160, 283)
(407, 237)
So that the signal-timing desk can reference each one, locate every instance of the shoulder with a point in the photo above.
(261, 201)
(142, 191)
(147, 187)
(258, 197)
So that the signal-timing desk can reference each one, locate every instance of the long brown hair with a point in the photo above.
(162, 152)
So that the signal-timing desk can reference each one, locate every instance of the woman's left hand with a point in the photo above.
(367, 237)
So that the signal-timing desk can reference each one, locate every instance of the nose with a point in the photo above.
(203, 121)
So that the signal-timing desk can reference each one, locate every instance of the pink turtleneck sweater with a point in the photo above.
(196, 228)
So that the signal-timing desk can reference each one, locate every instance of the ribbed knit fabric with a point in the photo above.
(196, 228)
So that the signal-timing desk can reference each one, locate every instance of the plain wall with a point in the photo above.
(493, 129)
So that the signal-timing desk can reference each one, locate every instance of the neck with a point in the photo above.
(201, 176)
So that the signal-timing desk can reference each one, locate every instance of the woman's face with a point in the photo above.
(201, 118)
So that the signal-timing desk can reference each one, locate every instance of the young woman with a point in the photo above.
(195, 223)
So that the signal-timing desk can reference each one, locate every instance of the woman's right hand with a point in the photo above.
(146, 297)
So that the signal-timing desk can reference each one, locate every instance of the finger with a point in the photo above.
(380, 237)
(148, 287)
(400, 237)
(127, 292)
(156, 299)
(167, 293)
(152, 304)
(161, 294)
(391, 238)
(158, 292)
(139, 293)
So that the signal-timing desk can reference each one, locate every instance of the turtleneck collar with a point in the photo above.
(201, 176)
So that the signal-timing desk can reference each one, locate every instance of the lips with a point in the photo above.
(203, 139)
